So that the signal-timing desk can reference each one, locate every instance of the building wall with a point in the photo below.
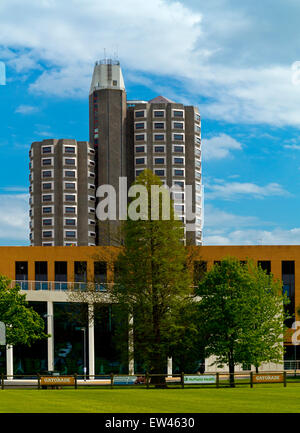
(84, 192)
(209, 254)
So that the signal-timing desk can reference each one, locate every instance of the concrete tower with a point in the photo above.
(107, 112)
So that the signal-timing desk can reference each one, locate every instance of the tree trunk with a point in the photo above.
(231, 371)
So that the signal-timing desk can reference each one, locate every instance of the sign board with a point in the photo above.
(57, 380)
(124, 380)
(2, 334)
(268, 378)
(200, 379)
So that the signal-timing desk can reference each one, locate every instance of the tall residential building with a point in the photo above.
(125, 137)
(62, 193)
(165, 137)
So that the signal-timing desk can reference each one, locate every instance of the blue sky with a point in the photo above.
(237, 61)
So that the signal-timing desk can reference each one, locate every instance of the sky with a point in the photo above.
(239, 62)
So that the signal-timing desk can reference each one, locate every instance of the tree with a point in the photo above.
(242, 312)
(153, 280)
(23, 324)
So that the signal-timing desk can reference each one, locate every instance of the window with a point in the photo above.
(179, 208)
(159, 149)
(140, 125)
(158, 113)
(100, 272)
(47, 149)
(80, 272)
(265, 265)
(70, 173)
(178, 137)
(178, 172)
(178, 113)
(47, 173)
(70, 149)
(197, 140)
(140, 149)
(41, 274)
(92, 234)
(48, 234)
(47, 161)
(197, 175)
(47, 209)
(197, 117)
(47, 197)
(69, 197)
(159, 125)
(70, 234)
(47, 221)
(70, 209)
(178, 160)
(21, 270)
(70, 221)
(179, 183)
(178, 125)
(140, 161)
(140, 113)
(197, 129)
(48, 185)
(159, 172)
(70, 185)
(47, 244)
(178, 149)
(140, 137)
(69, 161)
(138, 172)
(159, 137)
(61, 272)
(159, 161)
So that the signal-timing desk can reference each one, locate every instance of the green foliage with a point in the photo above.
(242, 312)
(23, 324)
(153, 282)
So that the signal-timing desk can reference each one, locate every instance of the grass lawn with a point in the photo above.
(260, 399)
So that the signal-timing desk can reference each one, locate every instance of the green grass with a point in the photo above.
(260, 399)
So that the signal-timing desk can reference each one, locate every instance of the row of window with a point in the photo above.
(67, 210)
(159, 137)
(161, 172)
(159, 125)
(66, 185)
(161, 160)
(61, 271)
(66, 198)
(159, 113)
(66, 161)
(67, 234)
(177, 148)
(72, 174)
(66, 149)
(67, 222)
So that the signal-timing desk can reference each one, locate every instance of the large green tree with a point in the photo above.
(153, 281)
(242, 314)
(23, 324)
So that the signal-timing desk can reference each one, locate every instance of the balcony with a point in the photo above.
(60, 285)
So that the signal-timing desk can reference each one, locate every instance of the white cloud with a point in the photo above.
(226, 228)
(219, 147)
(275, 236)
(14, 217)
(199, 44)
(233, 190)
(26, 109)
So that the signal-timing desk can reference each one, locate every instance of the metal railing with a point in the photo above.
(60, 285)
